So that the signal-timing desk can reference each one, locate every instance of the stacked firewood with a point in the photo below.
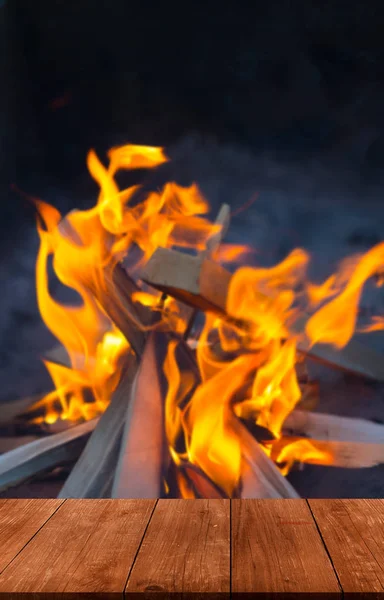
(124, 453)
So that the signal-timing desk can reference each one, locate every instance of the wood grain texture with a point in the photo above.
(20, 520)
(87, 547)
(353, 531)
(276, 549)
(186, 550)
(280, 549)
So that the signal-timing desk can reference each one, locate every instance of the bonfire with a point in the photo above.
(181, 370)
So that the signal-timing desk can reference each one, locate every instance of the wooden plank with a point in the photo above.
(140, 465)
(260, 476)
(132, 318)
(20, 520)
(355, 358)
(277, 550)
(58, 355)
(186, 550)
(204, 284)
(322, 426)
(45, 453)
(353, 531)
(194, 280)
(92, 475)
(198, 483)
(87, 547)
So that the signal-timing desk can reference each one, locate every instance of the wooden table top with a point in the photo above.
(191, 548)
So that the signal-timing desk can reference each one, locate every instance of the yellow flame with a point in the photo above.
(83, 247)
(302, 450)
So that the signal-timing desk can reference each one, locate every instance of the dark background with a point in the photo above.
(285, 99)
(289, 77)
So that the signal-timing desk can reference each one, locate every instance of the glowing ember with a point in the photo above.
(247, 360)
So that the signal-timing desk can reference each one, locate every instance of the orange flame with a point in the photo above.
(264, 358)
(377, 324)
(335, 322)
(302, 450)
(259, 380)
(83, 246)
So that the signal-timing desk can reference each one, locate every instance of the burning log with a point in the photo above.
(204, 284)
(141, 463)
(195, 280)
(198, 483)
(92, 476)
(354, 358)
(261, 478)
(350, 455)
(44, 454)
(132, 318)
(322, 426)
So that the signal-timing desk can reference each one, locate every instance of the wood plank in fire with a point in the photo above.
(204, 284)
(132, 318)
(195, 280)
(186, 551)
(85, 548)
(322, 426)
(142, 458)
(283, 533)
(348, 455)
(44, 454)
(260, 476)
(92, 476)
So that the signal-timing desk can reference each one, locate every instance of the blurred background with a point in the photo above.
(284, 99)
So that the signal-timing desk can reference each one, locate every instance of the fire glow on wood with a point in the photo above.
(179, 410)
